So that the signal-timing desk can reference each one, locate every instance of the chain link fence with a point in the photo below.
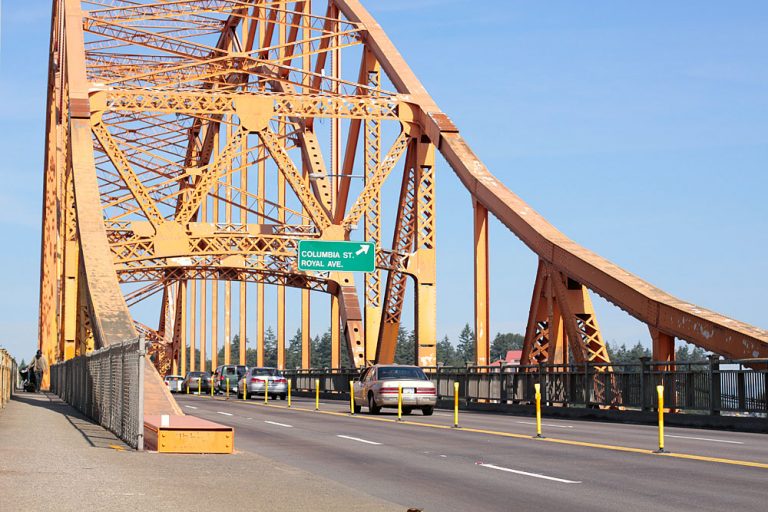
(9, 377)
(107, 385)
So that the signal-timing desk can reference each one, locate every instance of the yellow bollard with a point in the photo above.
(245, 390)
(660, 391)
(351, 397)
(187, 387)
(317, 394)
(455, 405)
(212, 387)
(537, 387)
(266, 391)
(199, 386)
(227, 389)
(399, 402)
(289, 392)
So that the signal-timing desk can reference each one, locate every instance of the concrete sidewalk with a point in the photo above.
(53, 458)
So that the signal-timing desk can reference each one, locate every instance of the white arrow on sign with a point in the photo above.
(363, 250)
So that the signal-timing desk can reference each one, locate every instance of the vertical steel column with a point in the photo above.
(228, 283)
(426, 277)
(306, 314)
(335, 332)
(244, 222)
(203, 313)
(183, 327)
(193, 326)
(214, 282)
(371, 160)
(306, 339)
(260, 286)
(281, 201)
(663, 346)
(482, 299)
(227, 321)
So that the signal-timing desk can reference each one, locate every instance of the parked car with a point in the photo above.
(227, 373)
(256, 380)
(174, 383)
(191, 382)
(377, 387)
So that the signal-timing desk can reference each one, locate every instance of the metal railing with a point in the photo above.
(9, 377)
(709, 387)
(107, 385)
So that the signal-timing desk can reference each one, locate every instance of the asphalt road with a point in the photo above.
(493, 463)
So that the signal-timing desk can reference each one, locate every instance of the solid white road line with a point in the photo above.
(224, 413)
(706, 439)
(544, 424)
(357, 439)
(525, 473)
(278, 424)
(191, 406)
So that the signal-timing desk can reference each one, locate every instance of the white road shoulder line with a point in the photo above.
(224, 413)
(544, 424)
(191, 406)
(358, 439)
(525, 473)
(278, 424)
(706, 439)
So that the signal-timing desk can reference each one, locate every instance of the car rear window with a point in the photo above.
(266, 371)
(401, 373)
(198, 374)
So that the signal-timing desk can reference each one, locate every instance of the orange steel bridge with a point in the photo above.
(197, 141)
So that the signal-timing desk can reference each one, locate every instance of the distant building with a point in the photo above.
(512, 357)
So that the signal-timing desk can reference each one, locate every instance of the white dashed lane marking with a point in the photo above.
(706, 439)
(358, 439)
(526, 473)
(278, 424)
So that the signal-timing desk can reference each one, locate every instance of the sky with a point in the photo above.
(638, 129)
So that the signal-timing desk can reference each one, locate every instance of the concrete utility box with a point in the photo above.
(186, 434)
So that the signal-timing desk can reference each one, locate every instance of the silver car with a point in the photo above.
(174, 383)
(256, 380)
(378, 386)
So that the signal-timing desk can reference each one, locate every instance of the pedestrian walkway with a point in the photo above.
(53, 458)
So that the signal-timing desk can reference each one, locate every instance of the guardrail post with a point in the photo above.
(503, 392)
(644, 379)
(742, 389)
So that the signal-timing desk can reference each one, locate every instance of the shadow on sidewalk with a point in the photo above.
(96, 435)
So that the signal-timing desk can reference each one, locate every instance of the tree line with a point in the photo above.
(448, 354)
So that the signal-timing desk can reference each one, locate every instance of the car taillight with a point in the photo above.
(166, 383)
(388, 390)
(425, 391)
(280, 381)
(254, 379)
(221, 377)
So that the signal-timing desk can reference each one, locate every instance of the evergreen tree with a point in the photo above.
(293, 352)
(502, 343)
(446, 353)
(405, 353)
(270, 348)
(321, 351)
(688, 353)
(466, 348)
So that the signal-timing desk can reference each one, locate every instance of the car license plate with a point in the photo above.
(408, 391)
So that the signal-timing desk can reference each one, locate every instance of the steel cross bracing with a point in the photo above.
(191, 144)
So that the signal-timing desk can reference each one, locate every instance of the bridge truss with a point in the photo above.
(192, 143)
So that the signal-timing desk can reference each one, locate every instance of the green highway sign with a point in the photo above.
(332, 256)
